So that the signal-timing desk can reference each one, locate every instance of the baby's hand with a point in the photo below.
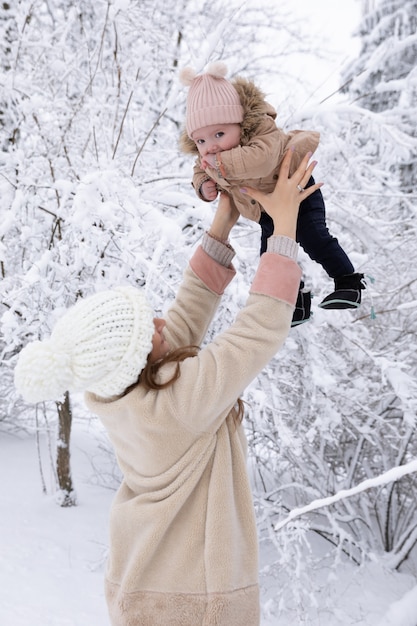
(208, 161)
(209, 190)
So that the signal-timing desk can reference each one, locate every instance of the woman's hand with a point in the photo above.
(283, 203)
(224, 219)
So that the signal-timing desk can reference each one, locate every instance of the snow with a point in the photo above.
(391, 475)
(53, 558)
(330, 438)
(403, 612)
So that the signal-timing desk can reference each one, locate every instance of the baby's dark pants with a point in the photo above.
(313, 235)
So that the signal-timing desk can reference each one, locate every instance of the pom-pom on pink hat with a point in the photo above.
(212, 99)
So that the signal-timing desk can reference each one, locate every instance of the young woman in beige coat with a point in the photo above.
(183, 541)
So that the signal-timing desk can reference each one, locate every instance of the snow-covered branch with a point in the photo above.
(391, 475)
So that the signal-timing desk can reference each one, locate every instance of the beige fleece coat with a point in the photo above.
(183, 541)
(257, 160)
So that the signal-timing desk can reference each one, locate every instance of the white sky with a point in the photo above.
(334, 24)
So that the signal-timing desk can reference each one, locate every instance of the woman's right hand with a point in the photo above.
(283, 203)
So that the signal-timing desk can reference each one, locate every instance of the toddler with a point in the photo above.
(232, 130)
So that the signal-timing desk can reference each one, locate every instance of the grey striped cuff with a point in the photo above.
(223, 253)
(279, 244)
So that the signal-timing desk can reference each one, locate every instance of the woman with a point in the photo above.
(183, 542)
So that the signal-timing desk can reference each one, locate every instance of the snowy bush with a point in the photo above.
(94, 192)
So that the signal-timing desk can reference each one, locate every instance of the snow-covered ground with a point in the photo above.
(52, 559)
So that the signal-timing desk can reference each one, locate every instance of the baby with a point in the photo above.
(232, 129)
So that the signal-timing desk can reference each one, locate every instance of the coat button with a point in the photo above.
(253, 201)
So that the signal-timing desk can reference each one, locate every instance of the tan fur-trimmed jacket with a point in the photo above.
(256, 161)
(183, 540)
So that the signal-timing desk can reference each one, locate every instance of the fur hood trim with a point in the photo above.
(255, 108)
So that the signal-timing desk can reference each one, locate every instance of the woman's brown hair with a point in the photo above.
(148, 375)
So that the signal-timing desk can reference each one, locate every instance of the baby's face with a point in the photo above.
(216, 138)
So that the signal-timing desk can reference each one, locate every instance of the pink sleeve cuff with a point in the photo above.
(277, 276)
(214, 275)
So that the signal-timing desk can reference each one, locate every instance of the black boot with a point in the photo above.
(302, 307)
(347, 293)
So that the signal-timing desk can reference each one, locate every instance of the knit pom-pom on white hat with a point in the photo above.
(212, 99)
(100, 345)
(45, 382)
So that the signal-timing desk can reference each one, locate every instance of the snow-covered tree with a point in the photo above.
(94, 189)
(95, 193)
(348, 409)
(384, 77)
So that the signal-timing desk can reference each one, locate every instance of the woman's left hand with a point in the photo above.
(224, 219)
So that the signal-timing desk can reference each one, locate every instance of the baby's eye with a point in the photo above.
(219, 134)
(200, 141)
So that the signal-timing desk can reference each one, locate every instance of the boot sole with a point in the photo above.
(339, 304)
(300, 322)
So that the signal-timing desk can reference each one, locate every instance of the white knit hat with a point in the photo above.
(212, 99)
(100, 345)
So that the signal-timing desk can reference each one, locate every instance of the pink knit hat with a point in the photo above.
(211, 99)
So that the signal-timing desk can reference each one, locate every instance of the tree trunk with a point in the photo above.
(66, 496)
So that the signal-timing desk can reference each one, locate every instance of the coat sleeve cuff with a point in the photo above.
(277, 276)
(213, 274)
